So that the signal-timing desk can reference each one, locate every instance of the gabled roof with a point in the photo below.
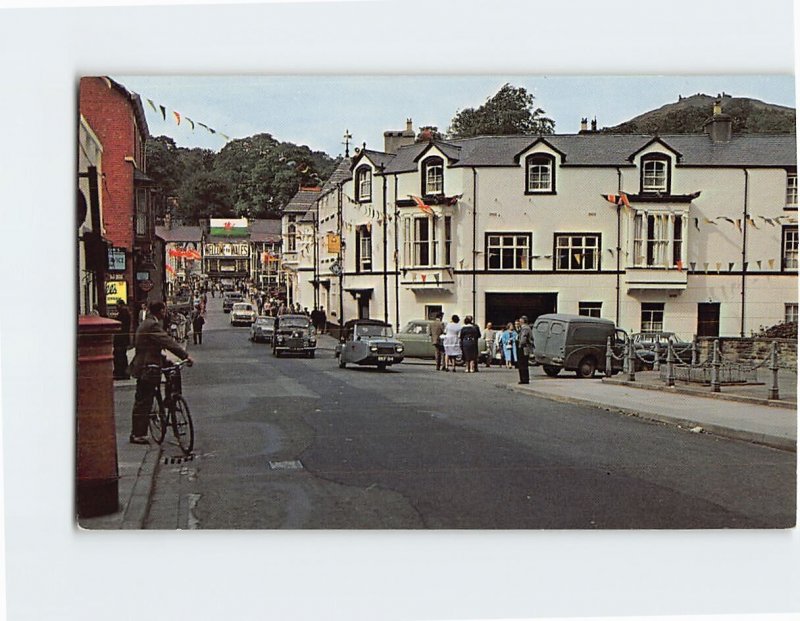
(179, 233)
(655, 140)
(379, 159)
(767, 150)
(265, 230)
(341, 173)
(451, 152)
(541, 140)
(303, 200)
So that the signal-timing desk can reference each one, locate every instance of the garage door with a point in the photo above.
(504, 307)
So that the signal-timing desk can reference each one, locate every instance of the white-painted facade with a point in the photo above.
(90, 153)
(521, 233)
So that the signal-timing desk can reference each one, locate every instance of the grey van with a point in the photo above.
(576, 343)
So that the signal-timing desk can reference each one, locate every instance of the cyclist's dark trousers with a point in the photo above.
(143, 402)
(198, 337)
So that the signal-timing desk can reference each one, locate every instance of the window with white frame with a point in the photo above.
(790, 248)
(790, 312)
(590, 309)
(420, 245)
(540, 173)
(364, 184)
(652, 316)
(658, 239)
(508, 251)
(655, 174)
(364, 249)
(578, 252)
(791, 190)
(433, 175)
(291, 237)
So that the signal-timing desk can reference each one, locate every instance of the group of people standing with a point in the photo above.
(453, 340)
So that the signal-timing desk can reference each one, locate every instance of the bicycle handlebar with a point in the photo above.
(173, 366)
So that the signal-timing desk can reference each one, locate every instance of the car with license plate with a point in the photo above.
(242, 313)
(229, 299)
(369, 342)
(262, 329)
(294, 334)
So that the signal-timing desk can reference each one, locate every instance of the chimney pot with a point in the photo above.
(594, 124)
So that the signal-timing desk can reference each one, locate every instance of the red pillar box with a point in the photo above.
(97, 469)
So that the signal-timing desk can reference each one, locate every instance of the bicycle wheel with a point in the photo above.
(182, 425)
(157, 422)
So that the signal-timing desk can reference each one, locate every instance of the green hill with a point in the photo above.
(688, 114)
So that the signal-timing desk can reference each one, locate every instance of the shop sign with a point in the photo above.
(334, 243)
(116, 259)
(116, 290)
(140, 276)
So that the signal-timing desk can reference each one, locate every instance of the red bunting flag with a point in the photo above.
(177, 117)
(421, 204)
(618, 199)
(679, 265)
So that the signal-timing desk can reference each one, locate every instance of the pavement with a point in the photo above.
(737, 412)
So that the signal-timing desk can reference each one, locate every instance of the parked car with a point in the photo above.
(369, 342)
(294, 334)
(262, 329)
(229, 299)
(644, 344)
(576, 343)
(416, 338)
(243, 313)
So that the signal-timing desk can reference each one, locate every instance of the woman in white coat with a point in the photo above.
(451, 339)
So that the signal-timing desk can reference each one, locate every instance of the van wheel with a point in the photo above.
(551, 370)
(586, 368)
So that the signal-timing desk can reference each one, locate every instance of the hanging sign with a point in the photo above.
(116, 259)
(334, 243)
(116, 290)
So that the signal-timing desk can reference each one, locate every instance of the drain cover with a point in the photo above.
(292, 464)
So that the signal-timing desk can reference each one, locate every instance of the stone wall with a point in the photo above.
(751, 349)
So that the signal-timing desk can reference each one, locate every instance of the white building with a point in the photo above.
(704, 242)
(90, 229)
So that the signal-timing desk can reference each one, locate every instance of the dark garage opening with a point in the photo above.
(504, 307)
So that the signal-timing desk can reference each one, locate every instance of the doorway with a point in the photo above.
(708, 319)
(502, 308)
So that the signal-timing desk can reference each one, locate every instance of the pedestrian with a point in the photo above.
(451, 342)
(323, 320)
(524, 350)
(122, 341)
(489, 335)
(198, 320)
(315, 319)
(436, 330)
(150, 340)
(468, 338)
(142, 312)
(509, 341)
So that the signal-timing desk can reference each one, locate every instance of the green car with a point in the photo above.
(416, 338)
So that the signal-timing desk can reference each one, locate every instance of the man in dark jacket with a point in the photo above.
(524, 350)
(122, 340)
(437, 329)
(150, 340)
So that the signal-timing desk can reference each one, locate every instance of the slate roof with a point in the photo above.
(774, 150)
(302, 201)
(310, 215)
(341, 173)
(179, 233)
(379, 158)
(265, 230)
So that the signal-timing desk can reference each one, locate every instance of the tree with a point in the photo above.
(205, 195)
(509, 112)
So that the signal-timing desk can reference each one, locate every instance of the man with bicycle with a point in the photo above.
(150, 340)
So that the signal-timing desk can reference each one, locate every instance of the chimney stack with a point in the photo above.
(720, 126)
(393, 140)
(594, 124)
(584, 125)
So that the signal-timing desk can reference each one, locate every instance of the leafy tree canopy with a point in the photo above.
(510, 111)
(252, 177)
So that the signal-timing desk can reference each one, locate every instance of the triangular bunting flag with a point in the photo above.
(771, 263)
(745, 265)
(163, 112)
(177, 116)
(710, 221)
(152, 105)
(191, 122)
(705, 266)
(697, 223)
(739, 224)
(719, 265)
(730, 267)
(759, 264)
(679, 265)
(692, 264)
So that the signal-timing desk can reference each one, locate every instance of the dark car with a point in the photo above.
(229, 299)
(262, 329)
(369, 342)
(294, 334)
(646, 343)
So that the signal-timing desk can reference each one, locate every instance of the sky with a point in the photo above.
(315, 110)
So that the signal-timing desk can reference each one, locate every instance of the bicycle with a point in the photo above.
(171, 409)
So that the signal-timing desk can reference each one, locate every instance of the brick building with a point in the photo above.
(117, 119)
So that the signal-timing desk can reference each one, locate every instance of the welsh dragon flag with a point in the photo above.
(228, 227)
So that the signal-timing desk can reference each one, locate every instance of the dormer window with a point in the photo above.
(540, 174)
(655, 174)
(433, 176)
(364, 184)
